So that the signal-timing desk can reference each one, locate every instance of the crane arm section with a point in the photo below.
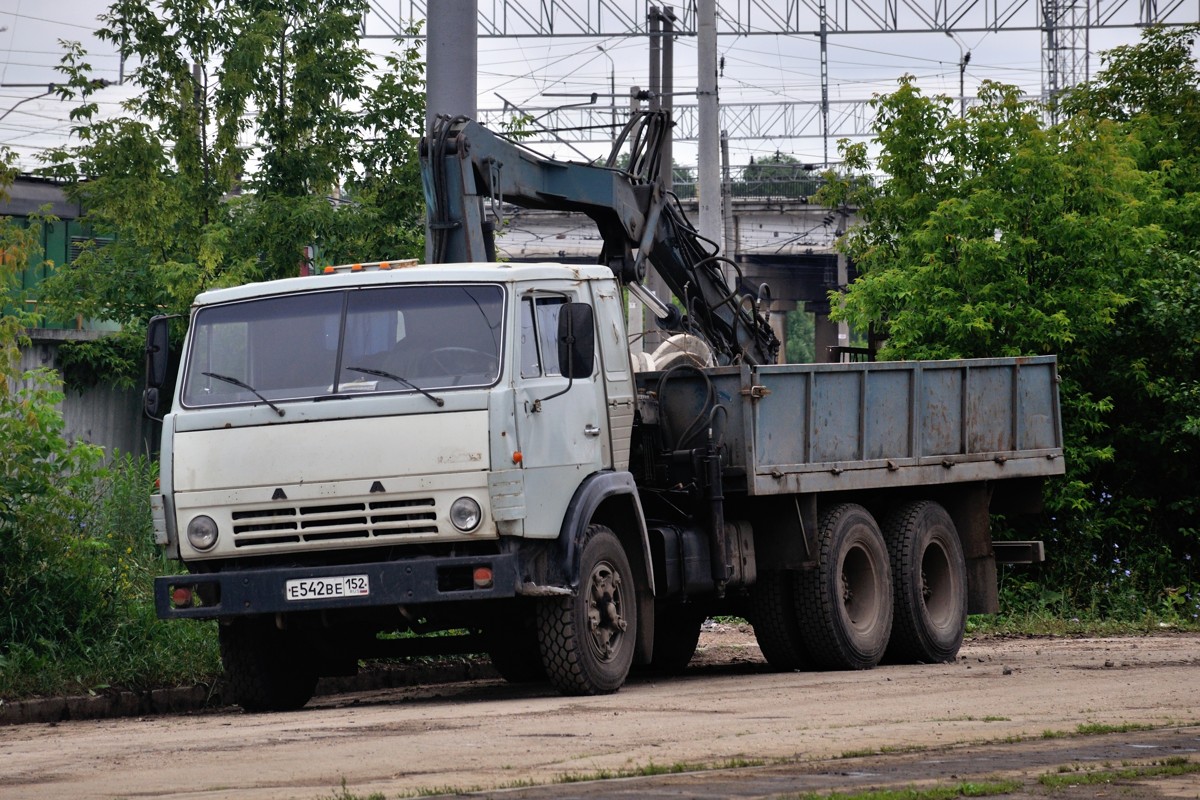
(464, 164)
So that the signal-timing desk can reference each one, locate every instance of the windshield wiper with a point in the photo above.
(246, 386)
(381, 374)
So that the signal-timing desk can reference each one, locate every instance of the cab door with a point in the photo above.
(560, 423)
(618, 374)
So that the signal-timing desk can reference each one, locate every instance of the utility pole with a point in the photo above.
(964, 58)
(452, 58)
(652, 337)
(825, 80)
(637, 323)
(708, 154)
(667, 171)
(655, 19)
(729, 245)
(451, 86)
(612, 89)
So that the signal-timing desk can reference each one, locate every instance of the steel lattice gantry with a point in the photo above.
(1063, 24)
(507, 18)
(797, 119)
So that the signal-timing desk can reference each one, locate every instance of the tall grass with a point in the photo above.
(77, 562)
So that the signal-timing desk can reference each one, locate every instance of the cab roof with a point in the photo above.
(396, 272)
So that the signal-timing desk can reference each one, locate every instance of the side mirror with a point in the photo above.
(152, 403)
(158, 362)
(576, 340)
(158, 346)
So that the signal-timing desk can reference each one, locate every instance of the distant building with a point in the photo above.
(61, 240)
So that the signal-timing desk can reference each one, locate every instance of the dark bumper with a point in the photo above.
(262, 591)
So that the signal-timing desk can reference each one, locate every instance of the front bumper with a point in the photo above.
(394, 583)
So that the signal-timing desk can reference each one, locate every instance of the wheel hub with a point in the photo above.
(605, 618)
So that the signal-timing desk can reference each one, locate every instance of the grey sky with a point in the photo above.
(536, 72)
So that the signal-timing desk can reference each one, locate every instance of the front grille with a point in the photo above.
(277, 525)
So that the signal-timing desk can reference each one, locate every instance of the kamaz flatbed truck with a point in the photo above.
(388, 449)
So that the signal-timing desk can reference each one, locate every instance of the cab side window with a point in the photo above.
(539, 329)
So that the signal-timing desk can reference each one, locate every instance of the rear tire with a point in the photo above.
(930, 577)
(267, 669)
(588, 639)
(773, 614)
(844, 604)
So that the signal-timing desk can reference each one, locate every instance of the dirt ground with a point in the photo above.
(1010, 696)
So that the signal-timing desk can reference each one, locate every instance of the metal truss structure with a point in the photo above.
(798, 119)
(1063, 24)
(515, 18)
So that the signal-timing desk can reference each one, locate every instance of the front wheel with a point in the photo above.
(267, 669)
(844, 604)
(512, 643)
(587, 640)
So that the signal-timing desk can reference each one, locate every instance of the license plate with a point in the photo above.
(327, 588)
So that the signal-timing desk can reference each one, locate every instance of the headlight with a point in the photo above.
(202, 533)
(465, 514)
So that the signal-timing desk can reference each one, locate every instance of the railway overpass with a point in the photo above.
(776, 233)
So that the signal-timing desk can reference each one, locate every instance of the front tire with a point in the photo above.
(588, 639)
(512, 644)
(930, 577)
(844, 604)
(267, 669)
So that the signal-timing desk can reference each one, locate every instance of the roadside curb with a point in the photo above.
(189, 699)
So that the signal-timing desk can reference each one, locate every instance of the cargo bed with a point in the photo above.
(800, 428)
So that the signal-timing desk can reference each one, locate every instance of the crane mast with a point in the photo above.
(464, 164)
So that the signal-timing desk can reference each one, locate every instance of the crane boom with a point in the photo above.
(464, 163)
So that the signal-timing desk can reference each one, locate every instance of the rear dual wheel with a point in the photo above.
(930, 579)
(773, 614)
(843, 606)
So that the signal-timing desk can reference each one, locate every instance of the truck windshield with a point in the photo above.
(344, 342)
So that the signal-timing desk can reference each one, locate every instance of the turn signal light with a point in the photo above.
(483, 577)
(181, 597)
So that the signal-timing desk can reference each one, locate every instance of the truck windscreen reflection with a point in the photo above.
(436, 338)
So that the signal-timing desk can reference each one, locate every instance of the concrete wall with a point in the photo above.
(102, 415)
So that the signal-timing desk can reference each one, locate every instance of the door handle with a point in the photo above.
(591, 430)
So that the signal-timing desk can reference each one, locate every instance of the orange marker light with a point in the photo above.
(517, 457)
(329, 270)
(356, 268)
(384, 265)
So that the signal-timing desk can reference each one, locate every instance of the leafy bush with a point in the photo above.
(77, 559)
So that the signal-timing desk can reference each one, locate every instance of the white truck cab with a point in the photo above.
(378, 406)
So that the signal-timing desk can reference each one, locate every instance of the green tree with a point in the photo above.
(259, 129)
(999, 235)
(801, 337)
